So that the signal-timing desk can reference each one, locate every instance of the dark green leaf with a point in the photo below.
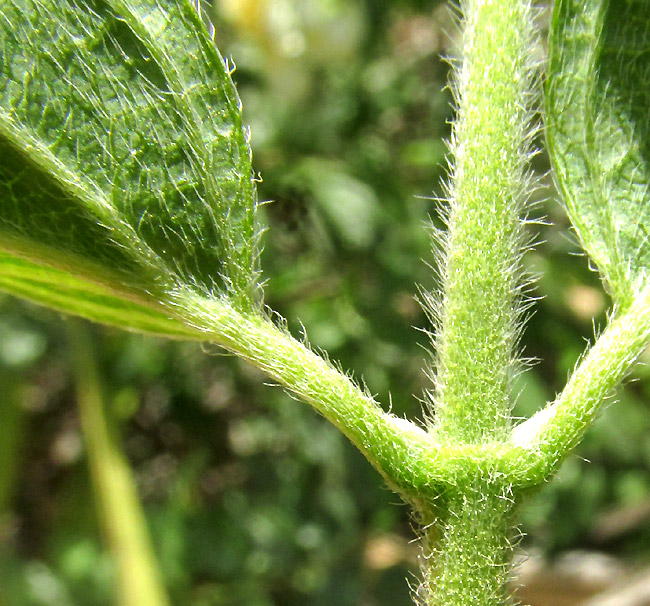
(123, 161)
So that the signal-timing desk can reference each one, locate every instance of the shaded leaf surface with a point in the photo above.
(122, 148)
(598, 110)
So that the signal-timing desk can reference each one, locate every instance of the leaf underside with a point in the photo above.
(63, 291)
(598, 112)
(123, 161)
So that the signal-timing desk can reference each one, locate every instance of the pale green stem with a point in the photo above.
(395, 447)
(139, 581)
(479, 321)
(467, 548)
(554, 431)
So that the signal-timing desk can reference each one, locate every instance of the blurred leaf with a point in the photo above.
(350, 205)
(139, 582)
(125, 170)
(598, 111)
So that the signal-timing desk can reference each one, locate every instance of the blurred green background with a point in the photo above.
(251, 498)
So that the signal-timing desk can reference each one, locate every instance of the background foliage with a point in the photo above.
(251, 498)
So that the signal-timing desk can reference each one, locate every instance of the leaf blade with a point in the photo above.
(122, 143)
(597, 99)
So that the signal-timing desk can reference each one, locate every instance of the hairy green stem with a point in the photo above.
(161, 238)
(555, 430)
(393, 446)
(480, 311)
(467, 548)
(480, 317)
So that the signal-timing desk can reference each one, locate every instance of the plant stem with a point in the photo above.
(490, 142)
(555, 430)
(139, 581)
(393, 446)
(468, 548)
(469, 526)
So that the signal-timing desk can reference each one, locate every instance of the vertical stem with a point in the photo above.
(139, 582)
(468, 546)
(468, 549)
(490, 144)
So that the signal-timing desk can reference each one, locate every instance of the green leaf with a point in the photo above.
(125, 171)
(598, 112)
(92, 298)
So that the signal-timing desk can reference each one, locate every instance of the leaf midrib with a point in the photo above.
(71, 184)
